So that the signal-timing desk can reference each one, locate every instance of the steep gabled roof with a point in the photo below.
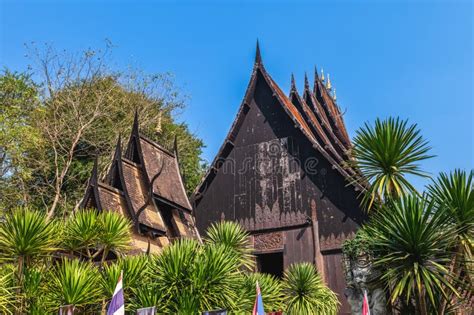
(331, 109)
(293, 113)
(313, 121)
(309, 98)
(161, 168)
(169, 186)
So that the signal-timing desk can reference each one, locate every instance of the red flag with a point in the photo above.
(365, 305)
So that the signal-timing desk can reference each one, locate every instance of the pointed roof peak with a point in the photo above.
(135, 122)
(316, 75)
(258, 56)
(306, 82)
(293, 83)
(95, 173)
(118, 147)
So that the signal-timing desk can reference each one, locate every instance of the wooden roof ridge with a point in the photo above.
(117, 162)
(136, 136)
(92, 187)
(313, 121)
(234, 128)
(309, 98)
(331, 109)
(293, 113)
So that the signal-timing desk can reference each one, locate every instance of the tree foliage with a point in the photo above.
(74, 110)
(385, 154)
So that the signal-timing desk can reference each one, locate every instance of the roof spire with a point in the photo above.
(95, 175)
(306, 82)
(135, 122)
(328, 84)
(316, 79)
(322, 75)
(258, 57)
(293, 84)
(118, 147)
(334, 96)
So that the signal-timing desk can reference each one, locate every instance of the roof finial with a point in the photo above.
(135, 121)
(328, 84)
(334, 96)
(258, 57)
(293, 84)
(322, 75)
(95, 176)
(316, 79)
(118, 147)
(306, 82)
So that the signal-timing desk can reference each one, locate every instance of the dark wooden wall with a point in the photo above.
(269, 181)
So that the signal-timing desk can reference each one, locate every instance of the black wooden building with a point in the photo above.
(281, 174)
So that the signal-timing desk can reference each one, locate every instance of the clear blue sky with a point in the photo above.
(399, 58)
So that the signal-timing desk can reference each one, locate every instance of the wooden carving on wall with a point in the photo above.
(268, 241)
(334, 242)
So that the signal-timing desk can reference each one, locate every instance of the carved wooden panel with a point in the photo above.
(268, 241)
(334, 242)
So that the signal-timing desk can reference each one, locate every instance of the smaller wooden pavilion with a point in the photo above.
(144, 184)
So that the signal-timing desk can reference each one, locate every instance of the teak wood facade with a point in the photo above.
(145, 185)
(280, 174)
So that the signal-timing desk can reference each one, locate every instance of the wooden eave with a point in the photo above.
(309, 98)
(333, 112)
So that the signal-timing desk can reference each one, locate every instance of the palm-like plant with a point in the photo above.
(270, 287)
(115, 234)
(306, 293)
(74, 282)
(411, 239)
(234, 237)
(7, 294)
(455, 191)
(91, 234)
(135, 279)
(194, 276)
(26, 236)
(385, 154)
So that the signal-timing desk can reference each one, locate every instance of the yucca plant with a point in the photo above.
(411, 241)
(74, 282)
(134, 276)
(270, 287)
(146, 295)
(455, 191)
(189, 274)
(26, 236)
(234, 237)
(115, 233)
(82, 233)
(305, 292)
(93, 235)
(7, 291)
(385, 154)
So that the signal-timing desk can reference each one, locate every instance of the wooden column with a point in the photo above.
(318, 257)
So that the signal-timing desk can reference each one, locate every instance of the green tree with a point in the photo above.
(411, 240)
(81, 106)
(234, 237)
(27, 238)
(305, 292)
(18, 138)
(385, 154)
(455, 191)
(93, 235)
(74, 282)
